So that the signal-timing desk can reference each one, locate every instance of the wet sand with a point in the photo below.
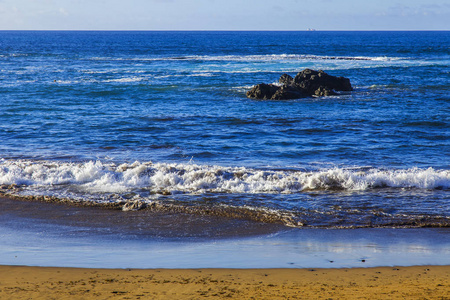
(58, 235)
(143, 223)
(420, 282)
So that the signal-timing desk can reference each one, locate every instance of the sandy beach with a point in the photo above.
(418, 282)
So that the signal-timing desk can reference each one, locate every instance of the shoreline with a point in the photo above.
(110, 219)
(416, 282)
(57, 235)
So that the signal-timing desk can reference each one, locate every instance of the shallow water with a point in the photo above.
(78, 242)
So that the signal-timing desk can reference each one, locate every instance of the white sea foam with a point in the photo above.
(211, 73)
(265, 57)
(202, 74)
(100, 177)
(284, 57)
(125, 79)
(112, 71)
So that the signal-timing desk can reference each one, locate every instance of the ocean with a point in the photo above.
(160, 121)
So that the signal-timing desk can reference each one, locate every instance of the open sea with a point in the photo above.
(161, 120)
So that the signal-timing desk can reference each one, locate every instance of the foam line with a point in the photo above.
(100, 177)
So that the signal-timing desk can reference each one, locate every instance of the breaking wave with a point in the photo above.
(163, 187)
(266, 57)
(101, 177)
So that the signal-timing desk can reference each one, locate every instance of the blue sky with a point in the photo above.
(224, 14)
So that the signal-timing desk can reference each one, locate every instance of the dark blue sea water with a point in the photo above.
(162, 118)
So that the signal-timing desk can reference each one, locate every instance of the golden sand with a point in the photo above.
(422, 282)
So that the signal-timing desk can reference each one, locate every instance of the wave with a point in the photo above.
(134, 79)
(263, 57)
(124, 80)
(276, 57)
(182, 189)
(101, 177)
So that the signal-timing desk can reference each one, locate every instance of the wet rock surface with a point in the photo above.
(306, 83)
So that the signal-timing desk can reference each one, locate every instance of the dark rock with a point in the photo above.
(306, 83)
(262, 91)
(286, 79)
(324, 91)
(311, 80)
(287, 92)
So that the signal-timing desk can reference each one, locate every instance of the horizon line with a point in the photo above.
(236, 30)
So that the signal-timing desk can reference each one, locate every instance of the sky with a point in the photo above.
(224, 14)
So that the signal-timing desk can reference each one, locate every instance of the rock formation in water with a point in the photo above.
(306, 83)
